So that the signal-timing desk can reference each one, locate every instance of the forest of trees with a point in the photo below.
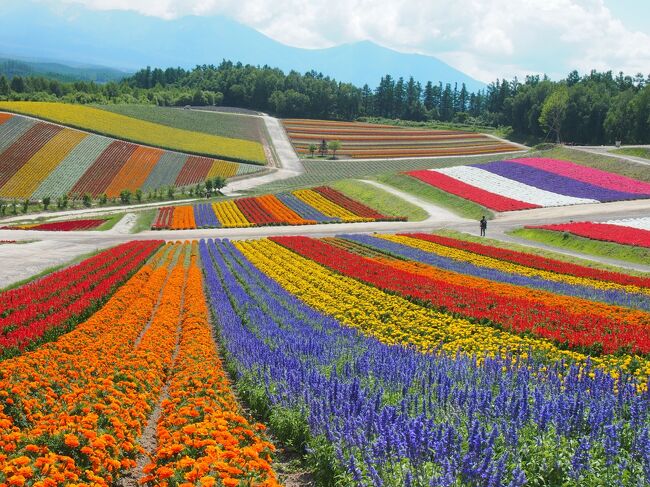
(596, 108)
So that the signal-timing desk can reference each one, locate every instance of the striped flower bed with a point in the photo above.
(632, 231)
(519, 184)
(373, 141)
(39, 159)
(302, 207)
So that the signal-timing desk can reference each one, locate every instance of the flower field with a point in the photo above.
(372, 141)
(64, 226)
(301, 207)
(387, 360)
(140, 131)
(519, 184)
(631, 231)
(39, 159)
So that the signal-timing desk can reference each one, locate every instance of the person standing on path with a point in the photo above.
(483, 224)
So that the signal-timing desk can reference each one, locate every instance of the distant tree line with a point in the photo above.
(595, 108)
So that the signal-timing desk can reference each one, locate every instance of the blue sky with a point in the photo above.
(487, 39)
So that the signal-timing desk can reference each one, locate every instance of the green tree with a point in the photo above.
(125, 196)
(46, 202)
(87, 200)
(170, 192)
(334, 145)
(18, 84)
(103, 199)
(554, 111)
(138, 195)
(219, 182)
(25, 206)
(4, 86)
(312, 150)
(208, 188)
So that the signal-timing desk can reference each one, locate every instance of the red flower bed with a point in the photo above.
(68, 226)
(535, 261)
(194, 171)
(44, 309)
(256, 213)
(542, 317)
(603, 231)
(450, 185)
(99, 175)
(355, 207)
(163, 218)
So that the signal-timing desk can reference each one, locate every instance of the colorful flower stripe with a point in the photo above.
(222, 168)
(394, 415)
(29, 177)
(74, 434)
(395, 320)
(229, 214)
(589, 175)
(349, 204)
(603, 231)
(164, 218)
(537, 261)
(195, 170)
(511, 307)
(36, 313)
(487, 181)
(256, 213)
(306, 211)
(281, 212)
(486, 198)
(183, 218)
(4, 117)
(135, 172)
(327, 207)
(25, 147)
(204, 216)
(12, 130)
(201, 435)
(302, 207)
(65, 226)
(555, 183)
(517, 274)
(99, 175)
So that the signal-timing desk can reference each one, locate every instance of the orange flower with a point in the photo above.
(72, 441)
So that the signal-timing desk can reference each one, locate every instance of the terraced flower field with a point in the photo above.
(519, 184)
(628, 231)
(385, 360)
(301, 207)
(141, 131)
(39, 159)
(372, 141)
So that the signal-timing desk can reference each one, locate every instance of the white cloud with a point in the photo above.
(485, 38)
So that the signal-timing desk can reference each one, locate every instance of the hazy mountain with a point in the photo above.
(58, 71)
(130, 41)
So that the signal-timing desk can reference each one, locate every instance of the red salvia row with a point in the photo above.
(255, 213)
(100, 174)
(68, 303)
(163, 218)
(517, 314)
(534, 261)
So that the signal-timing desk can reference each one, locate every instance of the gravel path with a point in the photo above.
(21, 261)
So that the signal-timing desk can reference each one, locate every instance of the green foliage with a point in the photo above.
(103, 199)
(633, 151)
(25, 206)
(138, 195)
(46, 202)
(334, 145)
(554, 111)
(125, 196)
(87, 200)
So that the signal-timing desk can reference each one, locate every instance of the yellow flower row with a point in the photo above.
(492, 263)
(395, 320)
(327, 207)
(135, 130)
(222, 168)
(230, 215)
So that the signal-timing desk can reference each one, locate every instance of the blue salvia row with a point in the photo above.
(399, 417)
(611, 296)
(205, 217)
(306, 211)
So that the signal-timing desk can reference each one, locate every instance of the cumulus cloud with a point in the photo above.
(487, 39)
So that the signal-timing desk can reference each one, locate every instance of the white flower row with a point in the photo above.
(640, 223)
(509, 188)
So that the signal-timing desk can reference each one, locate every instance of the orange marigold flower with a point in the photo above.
(208, 481)
(164, 472)
(16, 480)
(72, 441)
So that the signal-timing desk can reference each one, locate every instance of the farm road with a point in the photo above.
(604, 150)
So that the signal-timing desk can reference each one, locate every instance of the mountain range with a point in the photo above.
(129, 41)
